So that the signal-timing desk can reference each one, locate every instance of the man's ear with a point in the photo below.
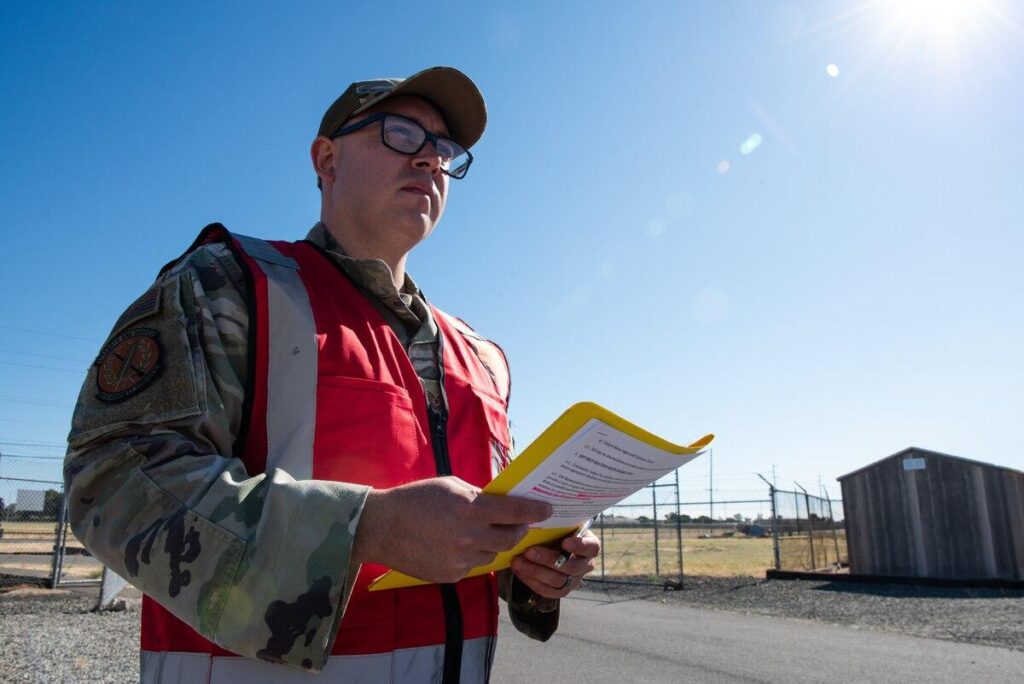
(322, 154)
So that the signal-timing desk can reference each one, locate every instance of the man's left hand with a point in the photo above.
(536, 566)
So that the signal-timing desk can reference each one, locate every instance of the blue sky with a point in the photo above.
(849, 286)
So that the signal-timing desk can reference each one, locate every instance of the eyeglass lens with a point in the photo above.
(408, 137)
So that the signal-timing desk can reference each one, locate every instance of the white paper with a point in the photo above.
(597, 467)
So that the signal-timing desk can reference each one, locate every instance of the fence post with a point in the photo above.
(679, 531)
(775, 523)
(832, 523)
(810, 532)
(59, 539)
(775, 530)
(810, 524)
(796, 501)
(654, 506)
(711, 492)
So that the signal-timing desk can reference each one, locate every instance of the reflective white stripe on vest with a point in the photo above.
(291, 377)
(405, 666)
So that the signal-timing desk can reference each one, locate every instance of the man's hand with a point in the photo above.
(440, 529)
(536, 567)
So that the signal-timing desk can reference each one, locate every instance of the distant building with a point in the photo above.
(919, 513)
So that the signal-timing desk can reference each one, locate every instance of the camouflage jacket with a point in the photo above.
(155, 494)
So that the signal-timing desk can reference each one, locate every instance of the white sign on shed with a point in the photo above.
(31, 499)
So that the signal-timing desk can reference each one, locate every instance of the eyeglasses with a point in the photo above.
(407, 137)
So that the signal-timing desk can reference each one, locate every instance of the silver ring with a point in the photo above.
(568, 578)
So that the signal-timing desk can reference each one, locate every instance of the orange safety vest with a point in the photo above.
(384, 436)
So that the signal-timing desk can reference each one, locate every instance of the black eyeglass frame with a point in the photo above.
(428, 137)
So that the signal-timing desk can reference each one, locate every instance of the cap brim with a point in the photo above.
(453, 93)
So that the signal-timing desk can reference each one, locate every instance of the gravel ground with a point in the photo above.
(50, 636)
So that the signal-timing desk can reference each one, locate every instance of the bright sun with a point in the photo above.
(945, 23)
(938, 18)
(944, 36)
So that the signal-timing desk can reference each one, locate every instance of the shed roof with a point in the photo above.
(927, 452)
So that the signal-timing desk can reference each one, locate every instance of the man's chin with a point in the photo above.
(417, 231)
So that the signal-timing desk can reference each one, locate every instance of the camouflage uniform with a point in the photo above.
(155, 494)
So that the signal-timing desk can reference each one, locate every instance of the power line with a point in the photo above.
(53, 423)
(43, 356)
(34, 401)
(33, 444)
(31, 365)
(25, 479)
(49, 334)
(41, 458)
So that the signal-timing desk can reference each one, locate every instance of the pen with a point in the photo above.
(564, 555)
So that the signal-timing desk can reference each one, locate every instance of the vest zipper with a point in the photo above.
(439, 439)
(438, 423)
(453, 629)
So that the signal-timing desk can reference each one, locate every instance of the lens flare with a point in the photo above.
(750, 144)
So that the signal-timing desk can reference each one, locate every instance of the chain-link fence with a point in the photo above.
(664, 532)
(660, 534)
(657, 535)
(809, 532)
(36, 543)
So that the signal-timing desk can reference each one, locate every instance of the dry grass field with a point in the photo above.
(26, 549)
(630, 552)
(32, 537)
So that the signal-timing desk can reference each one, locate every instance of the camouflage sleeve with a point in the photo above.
(259, 564)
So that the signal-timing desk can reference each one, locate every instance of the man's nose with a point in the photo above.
(427, 158)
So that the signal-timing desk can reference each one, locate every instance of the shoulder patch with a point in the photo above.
(127, 364)
(146, 305)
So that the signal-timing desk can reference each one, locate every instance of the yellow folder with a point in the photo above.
(557, 434)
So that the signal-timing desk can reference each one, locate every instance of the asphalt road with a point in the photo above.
(646, 642)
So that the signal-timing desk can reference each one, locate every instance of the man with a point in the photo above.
(272, 425)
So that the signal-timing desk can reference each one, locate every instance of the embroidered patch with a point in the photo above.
(127, 364)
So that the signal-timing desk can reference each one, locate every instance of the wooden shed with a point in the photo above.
(919, 513)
